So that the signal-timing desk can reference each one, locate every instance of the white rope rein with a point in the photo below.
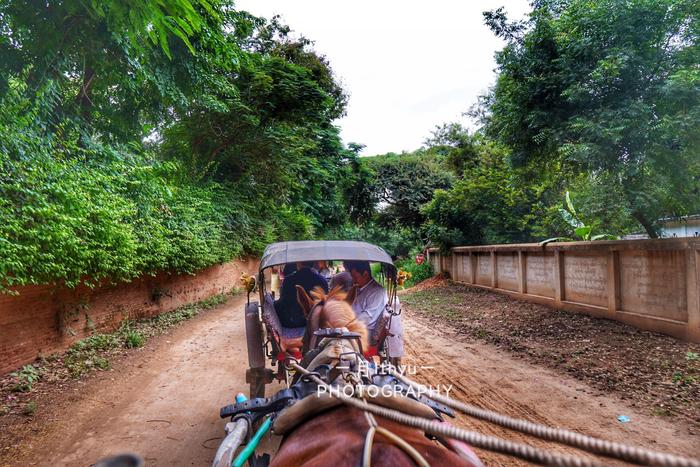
(587, 443)
(446, 430)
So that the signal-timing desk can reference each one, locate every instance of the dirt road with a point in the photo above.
(487, 377)
(163, 400)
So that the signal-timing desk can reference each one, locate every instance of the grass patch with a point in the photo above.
(162, 322)
(442, 304)
(94, 352)
(131, 338)
(211, 302)
(89, 353)
(30, 408)
(80, 361)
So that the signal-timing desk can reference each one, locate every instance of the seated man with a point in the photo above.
(288, 310)
(370, 304)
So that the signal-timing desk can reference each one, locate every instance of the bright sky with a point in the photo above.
(407, 65)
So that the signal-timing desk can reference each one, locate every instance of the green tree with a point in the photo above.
(119, 66)
(137, 137)
(453, 143)
(491, 203)
(403, 183)
(359, 196)
(273, 140)
(607, 88)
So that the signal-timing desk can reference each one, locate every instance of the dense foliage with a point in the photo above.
(139, 136)
(418, 272)
(607, 88)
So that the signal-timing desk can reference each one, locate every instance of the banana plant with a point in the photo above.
(582, 231)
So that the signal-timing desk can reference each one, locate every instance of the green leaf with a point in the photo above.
(566, 215)
(584, 232)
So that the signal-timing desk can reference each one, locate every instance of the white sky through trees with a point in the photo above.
(407, 65)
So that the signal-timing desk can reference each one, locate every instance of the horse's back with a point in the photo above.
(337, 438)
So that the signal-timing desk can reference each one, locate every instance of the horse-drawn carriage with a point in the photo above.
(336, 351)
(267, 339)
(340, 406)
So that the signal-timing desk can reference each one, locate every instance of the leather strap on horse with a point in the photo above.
(301, 410)
(400, 443)
(443, 429)
(587, 443)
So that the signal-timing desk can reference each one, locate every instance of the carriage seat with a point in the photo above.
(287, 338)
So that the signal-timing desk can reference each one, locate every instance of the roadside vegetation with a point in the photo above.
(416, 272)
(653, 371)
(176, 135)
(166, 136)
(92, 353)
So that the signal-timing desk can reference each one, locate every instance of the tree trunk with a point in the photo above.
(648, 226)
(83, 98)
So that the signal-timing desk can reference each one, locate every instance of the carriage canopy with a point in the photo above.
(277, 254)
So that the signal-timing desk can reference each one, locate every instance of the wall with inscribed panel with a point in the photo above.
(650, 284)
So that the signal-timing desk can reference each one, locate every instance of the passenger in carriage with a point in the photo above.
(323, 268)
(289, 269)
(288, 310)
(370, 304)
(343, 280)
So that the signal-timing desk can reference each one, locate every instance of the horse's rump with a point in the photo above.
(337, 437)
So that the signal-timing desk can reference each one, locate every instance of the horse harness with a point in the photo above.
(337, 359)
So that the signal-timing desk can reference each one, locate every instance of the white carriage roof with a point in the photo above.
(317, 250)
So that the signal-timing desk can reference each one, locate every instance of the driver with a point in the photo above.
(369, 305)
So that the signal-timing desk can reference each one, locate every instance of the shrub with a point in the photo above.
(26, 377)
(419, 272)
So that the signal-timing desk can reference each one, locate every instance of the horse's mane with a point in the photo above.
(337, 312)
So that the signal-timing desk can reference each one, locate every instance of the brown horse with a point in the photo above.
(337, 437)
(336, 314)
(334, 311)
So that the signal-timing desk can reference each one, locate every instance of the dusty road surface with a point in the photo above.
(492, 379)
(162, 401)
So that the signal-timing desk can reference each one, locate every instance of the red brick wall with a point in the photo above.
(45, 319)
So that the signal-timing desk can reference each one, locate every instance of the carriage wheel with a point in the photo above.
(256, 351)
(254, 336)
